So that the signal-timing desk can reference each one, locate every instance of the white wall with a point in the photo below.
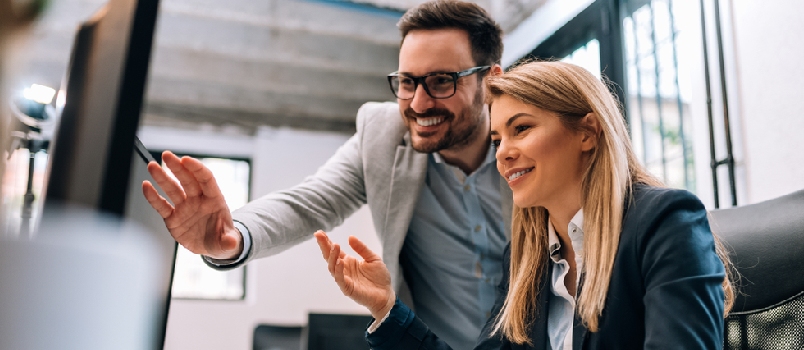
(281, 289)
(769, 76)
(763, 74)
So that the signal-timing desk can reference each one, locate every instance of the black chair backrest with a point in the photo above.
(766, 244)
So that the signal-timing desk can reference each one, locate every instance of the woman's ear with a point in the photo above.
(590, 124)
(496, 70)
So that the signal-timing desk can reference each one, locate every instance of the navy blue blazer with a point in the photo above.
(665, 290)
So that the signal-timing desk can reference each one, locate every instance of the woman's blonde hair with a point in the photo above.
(572, 92)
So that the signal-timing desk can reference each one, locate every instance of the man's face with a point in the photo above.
(438, 124)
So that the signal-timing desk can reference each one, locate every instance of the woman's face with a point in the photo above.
(541, 159)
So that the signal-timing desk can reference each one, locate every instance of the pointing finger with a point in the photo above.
(172, 188)
(206, 181)
(159, 203)
(185, 177)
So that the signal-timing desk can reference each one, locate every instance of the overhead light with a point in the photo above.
(39, 93)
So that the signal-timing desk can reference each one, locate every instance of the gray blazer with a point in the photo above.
(377, 166)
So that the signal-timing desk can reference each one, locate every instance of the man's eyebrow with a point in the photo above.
(409, 74)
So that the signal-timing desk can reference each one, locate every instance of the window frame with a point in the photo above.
(594, 22)
(158, 157)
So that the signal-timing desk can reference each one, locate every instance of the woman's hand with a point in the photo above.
(367, 282)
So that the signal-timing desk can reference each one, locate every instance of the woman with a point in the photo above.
(601, 256)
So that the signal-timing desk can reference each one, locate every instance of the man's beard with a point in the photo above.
(458, 135)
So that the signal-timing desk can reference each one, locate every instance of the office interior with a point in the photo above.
(264, 92)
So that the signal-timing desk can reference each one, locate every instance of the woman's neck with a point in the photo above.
(561, 214)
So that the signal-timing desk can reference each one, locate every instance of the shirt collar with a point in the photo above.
(575, 229)
(491, 158)
(577, 222)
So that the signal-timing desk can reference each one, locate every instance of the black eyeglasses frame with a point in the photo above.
(417, 80)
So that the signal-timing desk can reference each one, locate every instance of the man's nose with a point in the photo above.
(421, 100)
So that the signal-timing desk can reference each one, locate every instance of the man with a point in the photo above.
(423, 166)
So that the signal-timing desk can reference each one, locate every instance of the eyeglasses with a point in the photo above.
(437, 85)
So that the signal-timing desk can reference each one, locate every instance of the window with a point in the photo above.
(658, 94)
(648, 63)
(590, 41)
(587, 56)
(192, 278)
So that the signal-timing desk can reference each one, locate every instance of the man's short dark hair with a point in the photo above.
(485, 35)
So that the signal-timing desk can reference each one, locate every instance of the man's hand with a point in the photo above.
(199, 218)
(367, 282)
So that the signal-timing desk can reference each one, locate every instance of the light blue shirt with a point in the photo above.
(453, 251)
(561, 312)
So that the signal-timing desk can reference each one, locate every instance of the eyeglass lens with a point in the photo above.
(436, 85)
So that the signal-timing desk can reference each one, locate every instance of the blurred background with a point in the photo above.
(263, 92)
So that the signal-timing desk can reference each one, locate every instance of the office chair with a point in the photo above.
(766, 244)
(271, 337)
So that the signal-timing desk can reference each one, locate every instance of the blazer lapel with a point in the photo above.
(578, 333)
(407, 179)
(539, 328)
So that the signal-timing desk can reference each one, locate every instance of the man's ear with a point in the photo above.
(590, 126)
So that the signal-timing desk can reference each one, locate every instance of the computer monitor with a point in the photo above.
(97, 272)
(336, 331)
(91, 153)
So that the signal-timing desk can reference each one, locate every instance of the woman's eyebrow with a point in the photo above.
(515, 117)
(510, 121)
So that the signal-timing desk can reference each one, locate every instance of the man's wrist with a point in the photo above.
(240, 245)
(245, 240)
(241, 255)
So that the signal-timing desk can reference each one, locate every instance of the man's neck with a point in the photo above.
(469, 157)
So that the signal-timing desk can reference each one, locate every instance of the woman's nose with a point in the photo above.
(505, 153)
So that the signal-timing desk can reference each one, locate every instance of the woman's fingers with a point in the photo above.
(336, 266)
(337, 259)
(324, 243)
(343, 281)
(323, 246)
(334, 255)
(361, 249)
